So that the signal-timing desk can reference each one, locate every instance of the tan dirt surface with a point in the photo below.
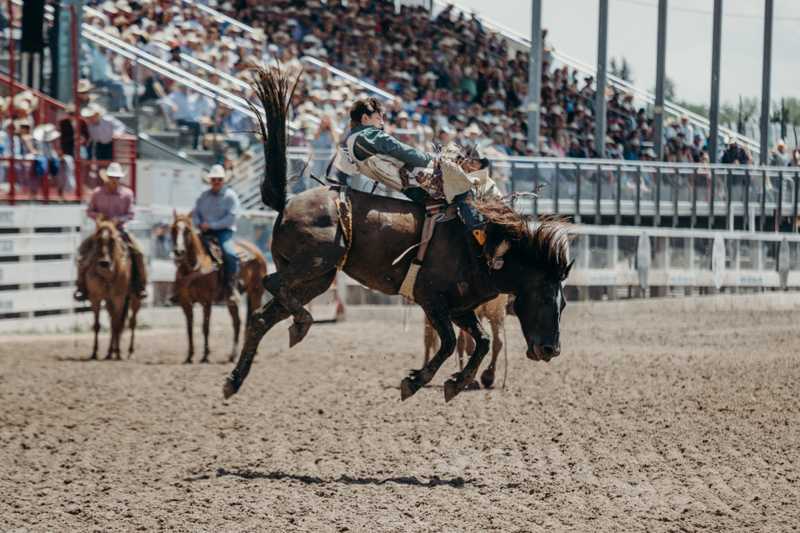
(647, 421)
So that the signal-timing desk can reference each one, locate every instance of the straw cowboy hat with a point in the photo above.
(46, 133)
(91, 110)
(216, 171)
(114, 170)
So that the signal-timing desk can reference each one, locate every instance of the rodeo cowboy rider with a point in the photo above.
(370, 151)
(215, 214)
(113, 201)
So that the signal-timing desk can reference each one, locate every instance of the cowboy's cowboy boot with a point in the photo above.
(471, 217)
(457, 188)
(81, 294)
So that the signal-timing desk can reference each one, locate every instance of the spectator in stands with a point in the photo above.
(102, 129)
(779, 157)
(735, 154)
(795, 162)
(322, 145)
(188, 110)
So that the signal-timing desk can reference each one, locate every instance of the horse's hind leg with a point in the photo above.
(206, 327)
(487, 376)
(233, 309)
(462, 379)
(263, 320)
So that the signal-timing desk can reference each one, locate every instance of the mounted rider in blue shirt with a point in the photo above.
(215, 214)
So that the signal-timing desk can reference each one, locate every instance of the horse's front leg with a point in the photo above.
(416, 379)
(96, 311)
(187, 312)
(462, 379)
(206, 327)
(110, 309)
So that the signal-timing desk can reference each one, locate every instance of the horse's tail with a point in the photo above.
(274, 90)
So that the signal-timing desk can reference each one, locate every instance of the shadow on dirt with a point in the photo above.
(434, 481)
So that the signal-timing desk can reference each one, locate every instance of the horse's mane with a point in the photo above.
(547, 244)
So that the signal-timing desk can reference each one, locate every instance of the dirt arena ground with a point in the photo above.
(648, 421)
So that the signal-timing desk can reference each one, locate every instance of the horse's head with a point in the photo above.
(182, 237)
(107, 246)
(532, 265)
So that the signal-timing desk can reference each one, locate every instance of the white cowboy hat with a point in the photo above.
(46, 133)
(216, 171)
(114, 170)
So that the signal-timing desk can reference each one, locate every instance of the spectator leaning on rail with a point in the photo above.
(103, 128)
(113, 201)
(215, 215)
(368, 150)
(780, 156)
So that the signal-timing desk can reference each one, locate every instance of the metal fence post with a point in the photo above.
(618, 207)
(763, 200)
(794, 202)
(779, 207)
(657, 215)
(599, 179)
(728, 201)
(711, 194)
(556, 179)
(638, 216)
(746, 221)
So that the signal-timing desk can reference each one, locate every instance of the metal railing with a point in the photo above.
(638, 193)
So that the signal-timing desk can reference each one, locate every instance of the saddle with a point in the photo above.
(214, 250)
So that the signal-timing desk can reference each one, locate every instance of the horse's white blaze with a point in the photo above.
(180, 246)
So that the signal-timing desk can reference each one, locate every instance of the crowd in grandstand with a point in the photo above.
(453, 80)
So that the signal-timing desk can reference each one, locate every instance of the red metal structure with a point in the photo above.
(26, 177)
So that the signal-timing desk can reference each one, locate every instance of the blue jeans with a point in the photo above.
(230, 260)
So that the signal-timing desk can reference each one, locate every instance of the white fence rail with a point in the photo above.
(38, 246)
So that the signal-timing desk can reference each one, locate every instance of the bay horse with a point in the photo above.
(197, 281)
(495, 312)
(324, 229)
(108, 279)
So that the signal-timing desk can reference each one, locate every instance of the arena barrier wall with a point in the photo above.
(38, 245)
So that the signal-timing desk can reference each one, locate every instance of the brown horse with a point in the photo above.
(495, 312)
(197, 281)
(324, 229)
(108, 279)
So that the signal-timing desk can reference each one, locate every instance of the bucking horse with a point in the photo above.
(328, 228)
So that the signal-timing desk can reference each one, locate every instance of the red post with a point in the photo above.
(76, 121)
(12, 171)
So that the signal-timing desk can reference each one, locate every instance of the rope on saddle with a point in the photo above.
(345, 210)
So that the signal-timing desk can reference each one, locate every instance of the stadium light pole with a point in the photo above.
(765, 79)
(661, 53)
(534, 75)
(600, 93)
(714, 110)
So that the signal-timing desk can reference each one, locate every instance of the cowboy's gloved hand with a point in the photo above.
(204, 226)
(454, 180)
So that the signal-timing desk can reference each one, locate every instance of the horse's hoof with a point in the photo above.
(472, 385)
(188, 361)
(451, 388)
(487, 379)
(204, 360)
(109, 357)
(408, 388)
(228, 389)
(92, 357)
